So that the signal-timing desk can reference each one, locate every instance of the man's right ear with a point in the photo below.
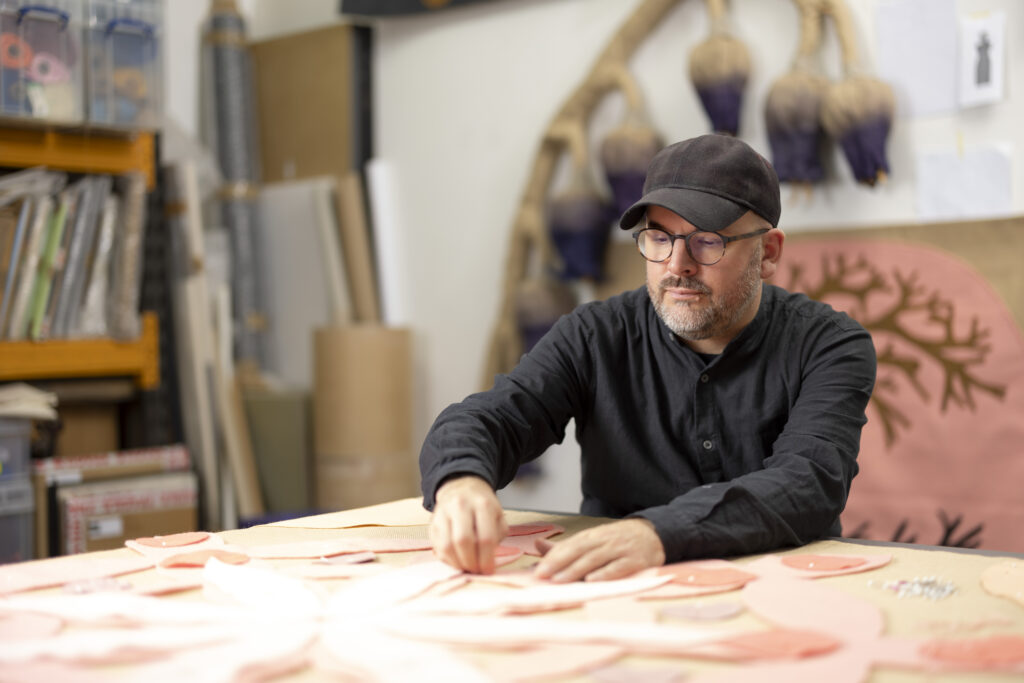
(771, 252)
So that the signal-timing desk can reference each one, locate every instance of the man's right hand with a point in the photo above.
(468, 524)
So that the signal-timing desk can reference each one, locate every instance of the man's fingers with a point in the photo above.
(439, 532)
(464, 543)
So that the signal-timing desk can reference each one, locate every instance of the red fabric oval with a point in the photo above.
(198, 558)
(527, 529)
(993, 651)
(825, 563)
(174, 540)
(706, 576)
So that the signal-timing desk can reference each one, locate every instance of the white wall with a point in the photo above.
(461, 100)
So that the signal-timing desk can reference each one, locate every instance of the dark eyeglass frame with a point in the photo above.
(726, 239)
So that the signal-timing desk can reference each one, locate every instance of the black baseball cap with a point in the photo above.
(711, 181)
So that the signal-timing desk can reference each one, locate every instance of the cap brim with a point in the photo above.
(706, 211)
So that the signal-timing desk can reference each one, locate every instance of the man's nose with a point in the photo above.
(680, 263)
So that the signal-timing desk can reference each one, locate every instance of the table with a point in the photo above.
(291, 617)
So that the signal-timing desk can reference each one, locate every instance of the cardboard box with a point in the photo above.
(51, 473)
(103, 515)
(88, 428)
(313, 102)
(362, 391)
(345, 483)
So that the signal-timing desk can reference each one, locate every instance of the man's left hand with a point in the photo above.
(609, 551)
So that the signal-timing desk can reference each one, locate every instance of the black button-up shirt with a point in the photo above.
(750, 451)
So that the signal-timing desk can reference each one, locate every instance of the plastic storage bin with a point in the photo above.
(41, 70)
(124, 78)
(15, 442)
(17, 512)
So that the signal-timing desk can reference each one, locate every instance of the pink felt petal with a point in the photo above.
(506, 554)
(831, 563)
(24, 576)
(36, 671)
(173, 540)
(780, 643)
(672, 591)
(834, 668)
(337, 546)
(529, 542)
(157, 553)
(703, 611)
(1005, 580)
(531, 529)
(620, 673)
(821, 608)
(773, 565)
(997, 652)
(199, 558)
(16, 626)
(551, 661)
(706, 573)
(621, 610)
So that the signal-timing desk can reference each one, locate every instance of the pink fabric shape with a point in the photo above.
(997, 652)
(336, 546)
(530, 540)
(173, 540)
(199, 558)
(1005, 580)
(822, 562)
(156, 552)
(18, 625)
(774, 566)
(807, 605)
(620, 673)
(531, 529)
(24, 576)
(624, 609)
(703, 611)
(706, 573)
(506, 554)
(550, 661)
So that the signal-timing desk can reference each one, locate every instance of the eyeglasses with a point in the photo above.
(705, 247)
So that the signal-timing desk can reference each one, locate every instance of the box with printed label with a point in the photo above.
(53, 473)
(105, 514)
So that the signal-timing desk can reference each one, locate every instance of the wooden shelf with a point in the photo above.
(78, 358)
(84, 150)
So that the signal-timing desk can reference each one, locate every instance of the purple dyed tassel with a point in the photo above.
(625, 154)
(579, 222)
(857, 113)
(793, 119)
(719, 69)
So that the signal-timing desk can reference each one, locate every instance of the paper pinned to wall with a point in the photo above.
(982, 58)
(917, 54)
(974, 183)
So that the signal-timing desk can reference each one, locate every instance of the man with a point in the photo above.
(716, 414)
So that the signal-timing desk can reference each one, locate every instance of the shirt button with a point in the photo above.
(704, 378)
(707, 444)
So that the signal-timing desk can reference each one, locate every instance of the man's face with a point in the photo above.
(709, 304)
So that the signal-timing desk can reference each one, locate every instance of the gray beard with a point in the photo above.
(722, 311)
